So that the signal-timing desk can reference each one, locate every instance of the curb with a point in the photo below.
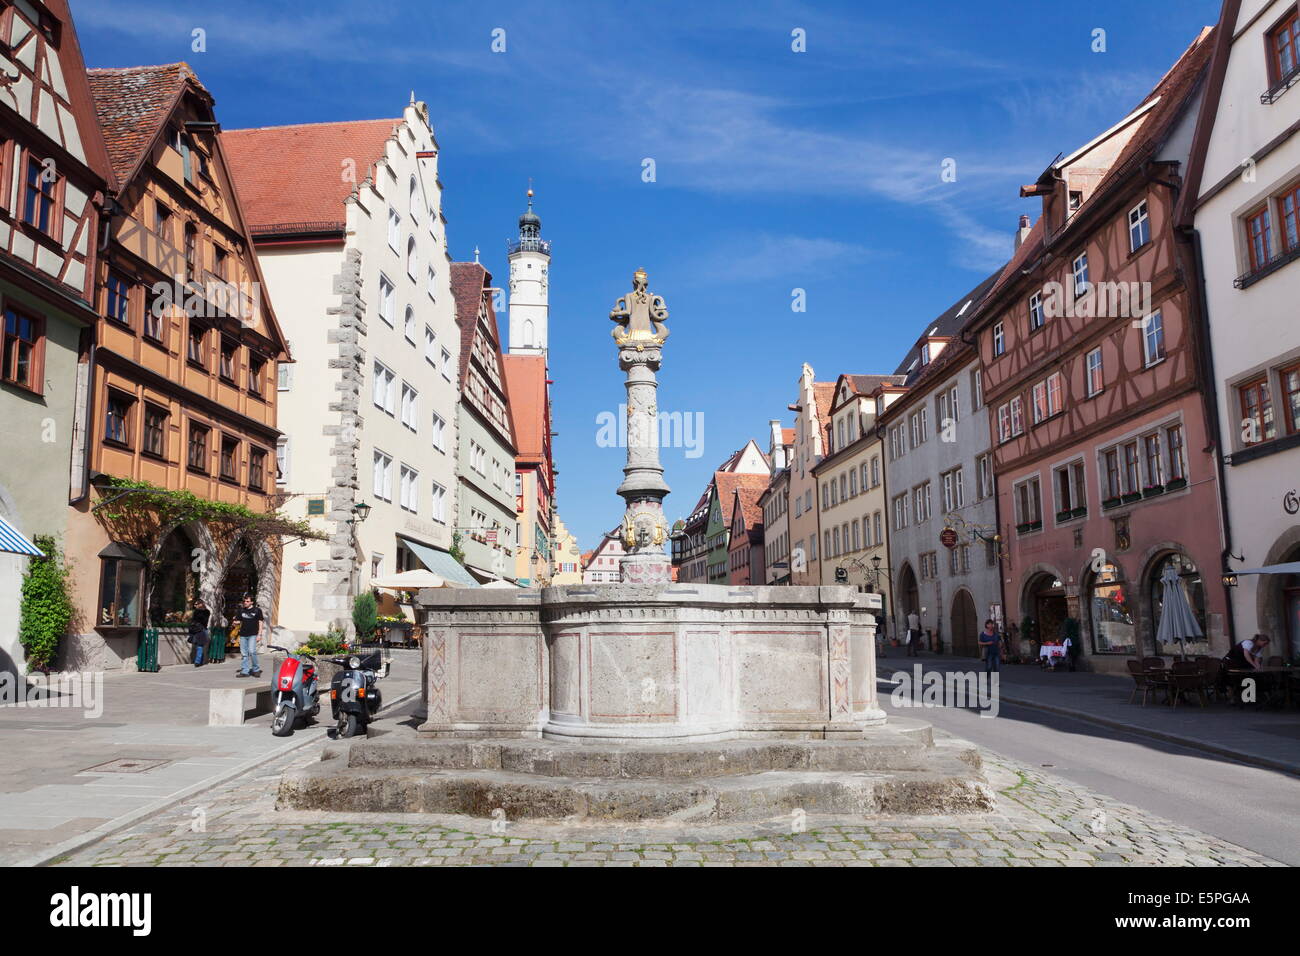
(1190, 743)
(81, 841)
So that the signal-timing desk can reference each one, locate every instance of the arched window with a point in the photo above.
(1113, 631)
(412, 260)
(409, 325)
(415, 204)
(528, 333)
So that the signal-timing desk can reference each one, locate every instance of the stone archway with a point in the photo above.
(249, 568)
(1043, 599)
(1277, 597)
(907, 598)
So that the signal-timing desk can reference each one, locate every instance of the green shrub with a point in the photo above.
(365, 615)
(46, 606)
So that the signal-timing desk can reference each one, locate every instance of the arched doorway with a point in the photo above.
(241, 578)
(1044, 603)
(174, 583)
(909, 599)
(965, 625)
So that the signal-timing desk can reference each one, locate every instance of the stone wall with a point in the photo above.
(651, 662)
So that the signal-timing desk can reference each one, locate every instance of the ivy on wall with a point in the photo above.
(46, 609)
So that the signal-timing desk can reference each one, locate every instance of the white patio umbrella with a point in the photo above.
(499, 584)
(1177, 622)
(413, 581)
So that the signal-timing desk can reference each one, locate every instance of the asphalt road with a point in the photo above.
(1249, 806)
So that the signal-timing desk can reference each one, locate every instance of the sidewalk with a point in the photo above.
(56, 791)
(1264, 738)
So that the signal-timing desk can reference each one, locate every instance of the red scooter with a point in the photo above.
(296, 692)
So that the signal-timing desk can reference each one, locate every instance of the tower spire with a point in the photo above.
(530, 257)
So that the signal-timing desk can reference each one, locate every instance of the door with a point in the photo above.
(965, 627)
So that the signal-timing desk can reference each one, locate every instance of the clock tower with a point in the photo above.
(530, 260)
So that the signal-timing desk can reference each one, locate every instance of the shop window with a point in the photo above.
(119, 588)
(1113, 630)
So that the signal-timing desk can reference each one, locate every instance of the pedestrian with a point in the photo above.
(913, 634)
(252, 625)
(991, 646)
(199, 633)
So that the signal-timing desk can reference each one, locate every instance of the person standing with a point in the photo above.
(913, 633)
(991, 645)
(199, 633)
(252, 625)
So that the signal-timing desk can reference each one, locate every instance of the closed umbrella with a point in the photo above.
(1177, 622)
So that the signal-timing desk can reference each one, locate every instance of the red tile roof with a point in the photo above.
(824, 395)
(750, 512)
(133, 103)
(526, 385)
(787, 436)
(293, 175)
(727, 482)
(468, 280)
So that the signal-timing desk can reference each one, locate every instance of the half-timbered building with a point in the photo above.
(182, 391)
(1090, 369)
(54, 172)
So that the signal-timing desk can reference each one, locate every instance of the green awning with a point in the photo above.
(441, 563)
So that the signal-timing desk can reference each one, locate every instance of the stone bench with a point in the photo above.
(228, 706)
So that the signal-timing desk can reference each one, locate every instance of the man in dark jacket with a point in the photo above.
(199, 618)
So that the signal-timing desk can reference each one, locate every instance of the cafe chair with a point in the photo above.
(1141, 681)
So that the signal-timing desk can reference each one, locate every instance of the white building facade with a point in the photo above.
(369, 410)
(1246, 185)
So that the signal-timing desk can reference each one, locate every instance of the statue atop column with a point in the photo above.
(640, 333)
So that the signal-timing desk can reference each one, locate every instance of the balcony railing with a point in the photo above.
(1281, 86)
(528, 245)
(1268, 268)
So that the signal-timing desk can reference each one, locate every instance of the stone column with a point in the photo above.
(640, 336)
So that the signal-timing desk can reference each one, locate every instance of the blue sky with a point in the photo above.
(775, 170)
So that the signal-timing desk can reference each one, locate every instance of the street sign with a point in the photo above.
(948, 538)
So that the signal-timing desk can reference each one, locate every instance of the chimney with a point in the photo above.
(1021, 233)
(777, 450)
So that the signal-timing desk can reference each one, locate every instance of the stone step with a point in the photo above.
(884, 750)
(948, 785)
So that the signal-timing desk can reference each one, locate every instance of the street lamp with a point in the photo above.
(360, 512)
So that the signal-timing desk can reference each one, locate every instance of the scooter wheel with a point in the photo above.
(286, 715)
(347, 725)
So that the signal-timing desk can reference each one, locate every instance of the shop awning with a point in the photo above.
(14, 543)
(1291, 568)
(441, 563)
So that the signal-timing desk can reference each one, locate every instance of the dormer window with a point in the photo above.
(925, 354)
(1076, 200)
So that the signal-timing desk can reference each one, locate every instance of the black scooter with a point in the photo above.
(354, 694)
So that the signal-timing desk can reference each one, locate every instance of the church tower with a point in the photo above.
(530, 258)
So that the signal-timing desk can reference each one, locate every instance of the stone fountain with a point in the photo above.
(646, 700)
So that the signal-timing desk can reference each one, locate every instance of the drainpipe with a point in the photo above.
(1189, 240)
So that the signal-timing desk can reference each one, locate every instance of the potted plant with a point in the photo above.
(365, 616)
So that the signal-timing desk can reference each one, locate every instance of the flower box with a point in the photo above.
(1176, 484)
(1112, 503)
(1132, 496)
(1079, 512)
(1152, 490)
(1062, 516)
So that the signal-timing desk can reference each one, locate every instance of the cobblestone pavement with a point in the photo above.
(1042, 820)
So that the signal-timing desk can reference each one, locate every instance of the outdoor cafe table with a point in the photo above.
(1048, 651)
(1275, 676)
